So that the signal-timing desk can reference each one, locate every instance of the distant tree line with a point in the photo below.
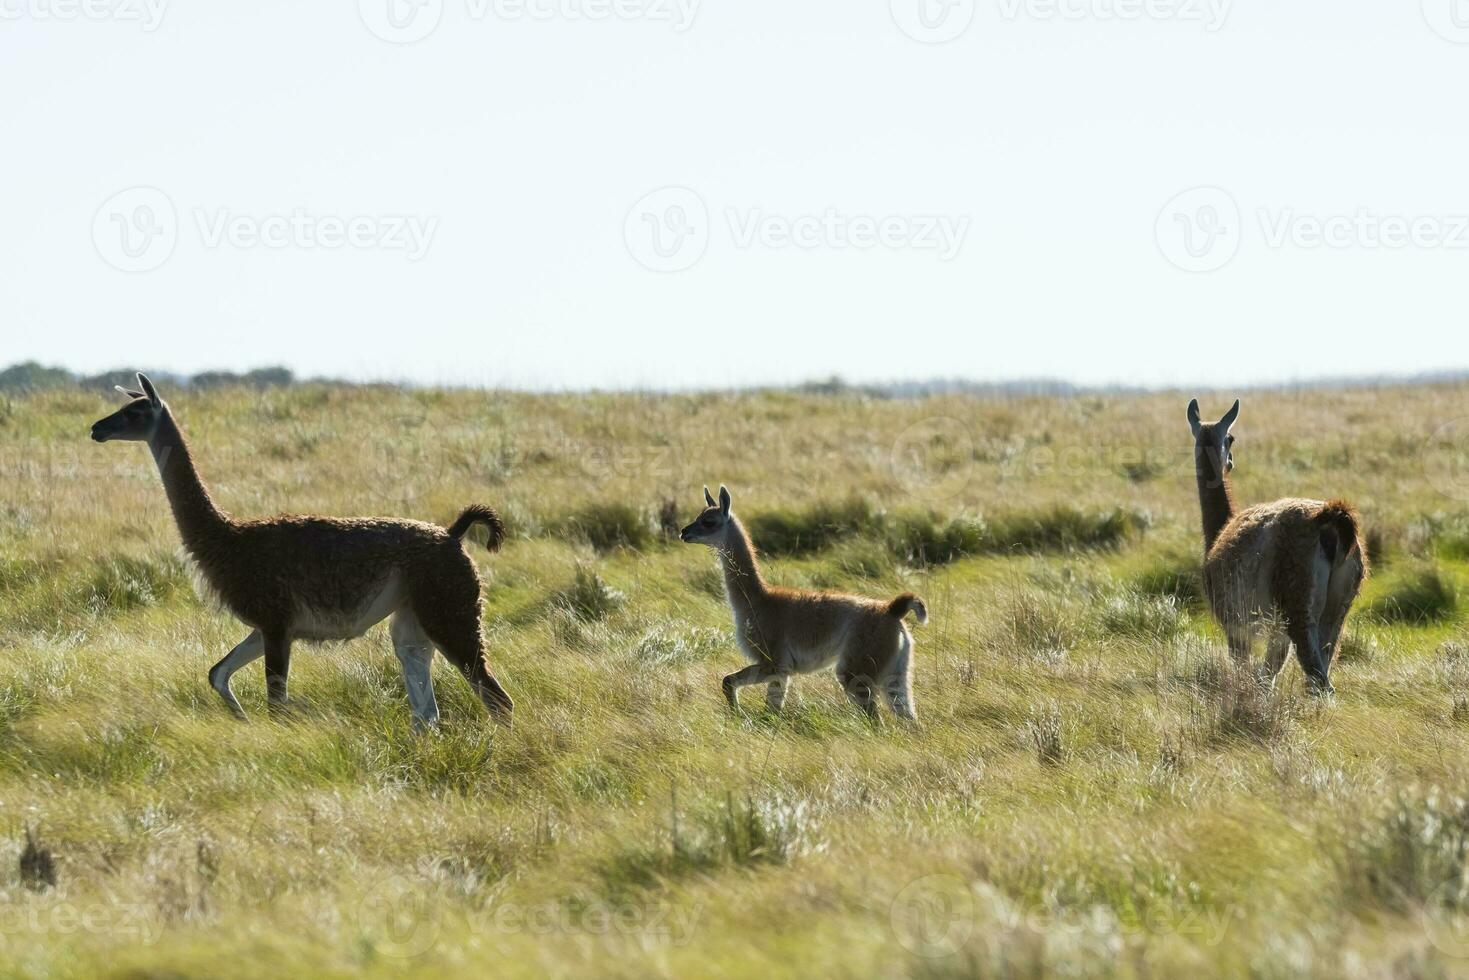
(31, 376)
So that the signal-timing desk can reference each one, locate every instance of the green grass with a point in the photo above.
(1421, 594)
(1093, 787)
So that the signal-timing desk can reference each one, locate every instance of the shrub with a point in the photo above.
(1414, 854)
(669, 523)
(607, 526)
(1451, 537)
(1064, 529)
(1143, 616)
(1234, 702)
(588, 596)
(1176, 576)
(928, 538)
(18, 573)
(665, 646)
(1419, 595)
(925, 539)
(858, 558)
(120, 583)
(750, 833)
(1046, 733)
(1354, 647)
(1037, 626)
(802, 532)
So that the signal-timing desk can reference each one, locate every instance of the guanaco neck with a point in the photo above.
(199, 521)
(1215, 502)
(742, 580)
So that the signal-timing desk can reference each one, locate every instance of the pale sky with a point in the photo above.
(684, 193)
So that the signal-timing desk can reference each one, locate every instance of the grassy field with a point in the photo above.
(1091, 789)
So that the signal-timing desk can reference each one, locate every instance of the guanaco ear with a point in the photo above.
(708, 498)
(1193, 416)
(147, 387)
(1230, 416)
(130, 393)
(724, 500)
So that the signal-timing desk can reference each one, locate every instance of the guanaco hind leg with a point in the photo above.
(415, 654)
(247, 651)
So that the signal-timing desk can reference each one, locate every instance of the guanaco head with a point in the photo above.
(1212, 439)
(136, 420)
(709, 527)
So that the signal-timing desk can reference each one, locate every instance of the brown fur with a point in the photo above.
(1296, 563)
(785, 631)
(315, 578)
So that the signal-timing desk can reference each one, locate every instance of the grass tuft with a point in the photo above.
(1047, 734)
(744, 833)
(1065, 529)
(588, 596)
(790, 532)
(1414, 854)
(606, 526)
(1421, 594)
(1143, 617)
(121, 583)
(1178, 576)
(1236, 703)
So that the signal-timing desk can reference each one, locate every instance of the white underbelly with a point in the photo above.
(313, 623)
